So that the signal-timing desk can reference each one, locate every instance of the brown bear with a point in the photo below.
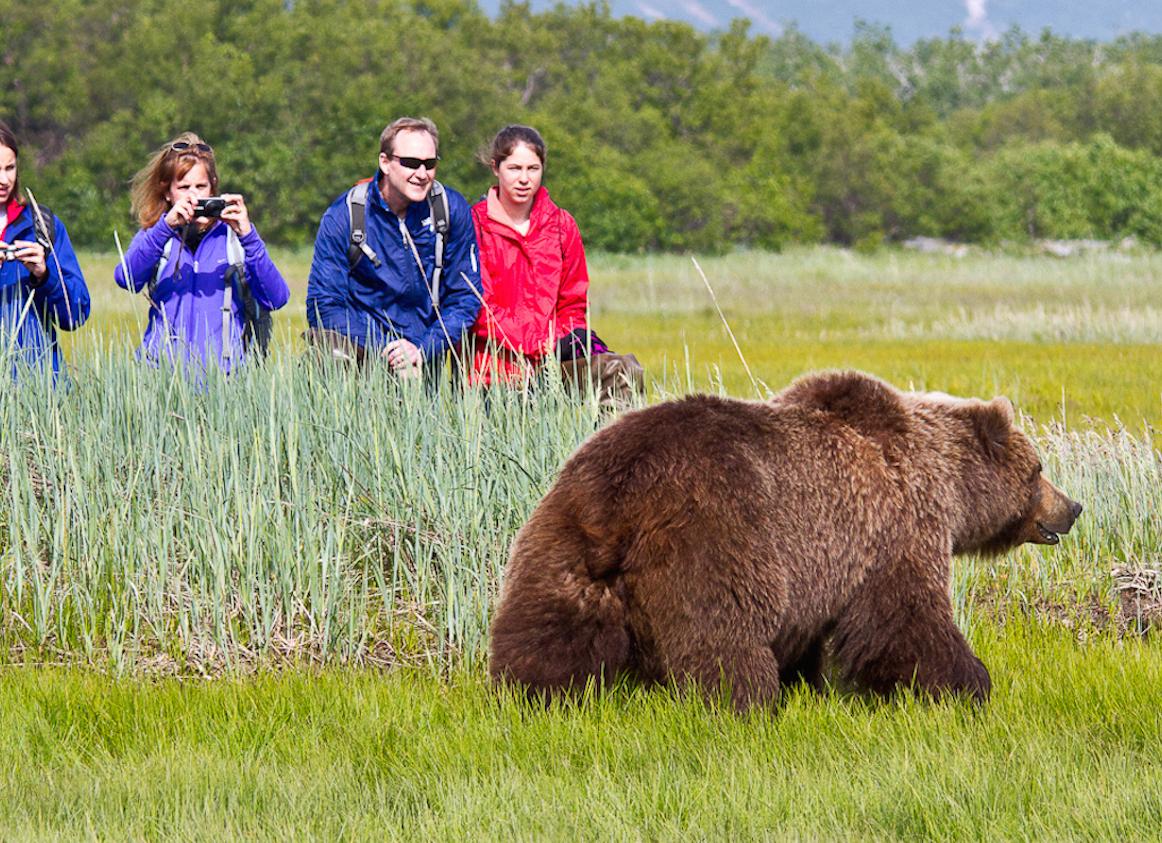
(712, 540)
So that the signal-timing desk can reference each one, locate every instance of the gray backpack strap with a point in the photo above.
(161, 265)
(357, 216)
(236, 271)
(438, 204)
(235, 254)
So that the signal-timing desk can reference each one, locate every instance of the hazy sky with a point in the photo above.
(832, 20)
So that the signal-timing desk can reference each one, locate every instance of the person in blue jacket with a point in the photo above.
(183, 260)
(41, 285)
(391, 295)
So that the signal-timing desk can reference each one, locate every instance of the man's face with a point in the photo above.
(404, 185)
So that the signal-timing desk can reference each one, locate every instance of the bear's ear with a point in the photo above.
(993, 421)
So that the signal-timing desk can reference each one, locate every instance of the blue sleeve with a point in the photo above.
(63, 293)
(458, 303)
(266, 283)
(328, 283)
(142, 257)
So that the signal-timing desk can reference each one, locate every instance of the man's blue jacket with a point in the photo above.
(375, 305)
(31, 312)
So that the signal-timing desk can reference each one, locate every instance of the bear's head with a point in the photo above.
(1004, 500)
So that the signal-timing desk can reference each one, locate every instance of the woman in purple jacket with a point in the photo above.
(183, 257)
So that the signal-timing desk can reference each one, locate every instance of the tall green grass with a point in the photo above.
(159, 521)
(155, 522)
(292, 511)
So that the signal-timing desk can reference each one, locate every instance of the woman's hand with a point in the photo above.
(31, 254)
(182, 212)
(236, 215)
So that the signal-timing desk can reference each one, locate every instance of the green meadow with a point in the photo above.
(1077, 340)
(258, 607)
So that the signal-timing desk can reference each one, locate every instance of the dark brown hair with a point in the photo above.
(8, 139)
(506, 141)
(152, 182)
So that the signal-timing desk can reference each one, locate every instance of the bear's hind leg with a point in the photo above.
(808, 668)
(749, 673)
(899, 631)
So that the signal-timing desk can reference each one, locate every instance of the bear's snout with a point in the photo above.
(1055, 515)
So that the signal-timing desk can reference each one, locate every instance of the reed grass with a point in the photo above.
(156, 521)
(164, 521)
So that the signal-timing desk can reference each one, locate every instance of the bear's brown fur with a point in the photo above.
(713, 540)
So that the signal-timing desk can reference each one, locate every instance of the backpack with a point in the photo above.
(358, 246)
(42, 223)
(257, 323)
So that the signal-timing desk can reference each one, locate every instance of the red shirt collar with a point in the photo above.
(12, 212)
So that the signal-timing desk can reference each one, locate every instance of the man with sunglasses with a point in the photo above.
(387, 279)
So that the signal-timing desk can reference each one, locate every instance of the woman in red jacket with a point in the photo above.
(532, 266)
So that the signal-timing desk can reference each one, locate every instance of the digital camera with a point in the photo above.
(211, 206)
(8, 253)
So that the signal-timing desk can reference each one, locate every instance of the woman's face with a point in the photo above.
(7, 174)
(519, 175)
(195, 184)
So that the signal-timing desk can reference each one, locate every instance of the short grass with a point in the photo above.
(1068, 752)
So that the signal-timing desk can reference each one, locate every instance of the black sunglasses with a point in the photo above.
(416, 163)
(182, 146)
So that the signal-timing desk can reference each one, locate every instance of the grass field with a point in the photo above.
(294, 533)
(1068, 340)
(1070, 752)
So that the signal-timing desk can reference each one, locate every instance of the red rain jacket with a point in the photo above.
(536, 289)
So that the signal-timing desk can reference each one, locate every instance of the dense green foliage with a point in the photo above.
(660, 137)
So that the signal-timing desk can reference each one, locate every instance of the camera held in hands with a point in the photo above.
(210, 207)
(8, 253)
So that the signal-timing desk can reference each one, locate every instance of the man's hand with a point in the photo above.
(405, 359)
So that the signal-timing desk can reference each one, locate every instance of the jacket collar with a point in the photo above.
(543, 207)
(13, 210)
(19, 222)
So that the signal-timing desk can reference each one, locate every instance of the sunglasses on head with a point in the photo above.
(415, 163)
(182, 146)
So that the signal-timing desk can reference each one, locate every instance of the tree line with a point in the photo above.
(660, 137)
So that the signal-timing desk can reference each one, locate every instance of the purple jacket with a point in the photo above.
(186, 311)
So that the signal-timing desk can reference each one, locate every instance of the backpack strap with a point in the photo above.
(356, 201)
(357, 215)
(235, 274)
(438, 205)
(235, 254)
(166, 252)
(42, 225)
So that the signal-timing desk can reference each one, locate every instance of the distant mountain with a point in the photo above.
(909, 20)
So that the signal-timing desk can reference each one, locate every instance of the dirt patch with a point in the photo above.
(1139, 592)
